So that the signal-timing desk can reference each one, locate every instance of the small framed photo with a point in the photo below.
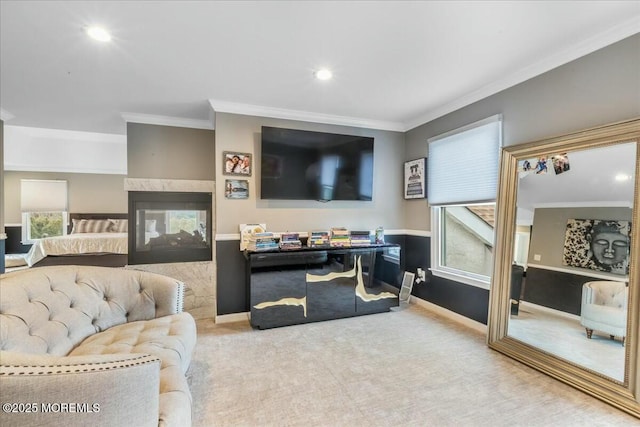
(415, 180)
(236, 189)
(236, 163)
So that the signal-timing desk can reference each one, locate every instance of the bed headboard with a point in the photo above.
(73, 216)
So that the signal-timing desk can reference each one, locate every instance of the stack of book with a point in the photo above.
(339, 238)
(360, 238)
(290, 241)
(261, 242)
(318, 239)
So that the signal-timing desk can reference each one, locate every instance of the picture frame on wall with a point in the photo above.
(236, 189)
(234, 163)
(415, 179)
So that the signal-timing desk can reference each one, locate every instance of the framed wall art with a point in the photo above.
(415, 179)
(596, 244)
(236, 163)
(236, 189)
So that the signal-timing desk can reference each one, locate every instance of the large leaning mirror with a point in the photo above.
(564, 297)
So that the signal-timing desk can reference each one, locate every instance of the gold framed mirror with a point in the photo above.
(564, 250)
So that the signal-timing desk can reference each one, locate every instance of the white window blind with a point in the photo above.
(463, 163)
(37, 195)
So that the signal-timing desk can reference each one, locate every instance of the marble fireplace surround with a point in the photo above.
(200, 276)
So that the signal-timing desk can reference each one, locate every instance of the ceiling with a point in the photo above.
(396, 64)
(593, 179)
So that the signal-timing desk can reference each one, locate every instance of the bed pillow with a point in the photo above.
(90, 226)
(150, 226)
(119, 225)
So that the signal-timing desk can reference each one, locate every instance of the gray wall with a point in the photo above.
(600, 88)
(87, 192)
(170, 152)
(242, 133)
(548, 231)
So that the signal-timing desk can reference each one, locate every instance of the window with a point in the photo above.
(462, 181)
(38, 225)
(462, 239)
(44, 209)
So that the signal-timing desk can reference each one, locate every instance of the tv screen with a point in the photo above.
(306, 165)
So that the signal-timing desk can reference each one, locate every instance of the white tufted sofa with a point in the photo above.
(94, 346)
(604, 308)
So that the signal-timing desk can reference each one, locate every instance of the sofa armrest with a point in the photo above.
(587, 294)
(95, 390)
(166, 292)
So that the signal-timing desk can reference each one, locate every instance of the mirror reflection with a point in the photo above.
(569, 281)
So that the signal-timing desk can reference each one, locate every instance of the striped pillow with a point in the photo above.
(90, 226)
(119, 225)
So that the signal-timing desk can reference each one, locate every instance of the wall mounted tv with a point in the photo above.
(306, 165)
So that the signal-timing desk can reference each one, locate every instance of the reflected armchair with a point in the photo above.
(604, 308)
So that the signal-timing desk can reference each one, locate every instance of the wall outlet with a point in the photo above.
(420, 275)
(537, 257)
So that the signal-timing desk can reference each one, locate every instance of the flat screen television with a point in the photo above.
(307, 165)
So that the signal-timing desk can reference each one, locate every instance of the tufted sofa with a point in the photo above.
(604, 308)
(94, 346)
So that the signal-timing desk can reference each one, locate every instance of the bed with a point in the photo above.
(93, 239)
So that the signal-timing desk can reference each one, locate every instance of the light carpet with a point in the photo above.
(404, 368)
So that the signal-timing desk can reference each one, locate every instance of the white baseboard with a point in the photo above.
(233, 317)
(434, 308)
(540, 308)
(458, 318)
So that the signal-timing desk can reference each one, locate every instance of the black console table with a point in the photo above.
(313, 284)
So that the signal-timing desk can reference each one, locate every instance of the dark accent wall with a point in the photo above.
(468, 301)
(232, 292)
(14, 240)
(555, 289)
(167, 152)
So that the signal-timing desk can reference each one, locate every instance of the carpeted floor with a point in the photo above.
(405, 368)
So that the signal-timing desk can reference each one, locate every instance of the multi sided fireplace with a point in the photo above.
(169, 227)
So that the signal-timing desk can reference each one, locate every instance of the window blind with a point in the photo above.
(38, 195)
(463, 164)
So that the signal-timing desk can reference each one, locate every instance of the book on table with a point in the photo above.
(339, 237)
(360, 238)
(290, 241)
(318, 239)
(262, 242)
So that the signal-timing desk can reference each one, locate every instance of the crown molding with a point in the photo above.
(585, 204)
(304, 116)
(182, 122)
(31, 168)
(578, 50)
(5, 115)
(69, 135)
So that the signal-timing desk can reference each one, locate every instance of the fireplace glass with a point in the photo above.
(169, 227)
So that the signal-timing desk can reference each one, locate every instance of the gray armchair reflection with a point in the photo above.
(604, 308)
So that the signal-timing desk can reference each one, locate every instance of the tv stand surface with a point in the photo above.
(316, 284)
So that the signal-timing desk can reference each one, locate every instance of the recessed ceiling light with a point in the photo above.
(99, 33)
(323, 74)
(623, 177)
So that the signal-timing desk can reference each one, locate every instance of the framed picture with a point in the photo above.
(597, 244)
(236, 189)
(415, 179)
(236, 163)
